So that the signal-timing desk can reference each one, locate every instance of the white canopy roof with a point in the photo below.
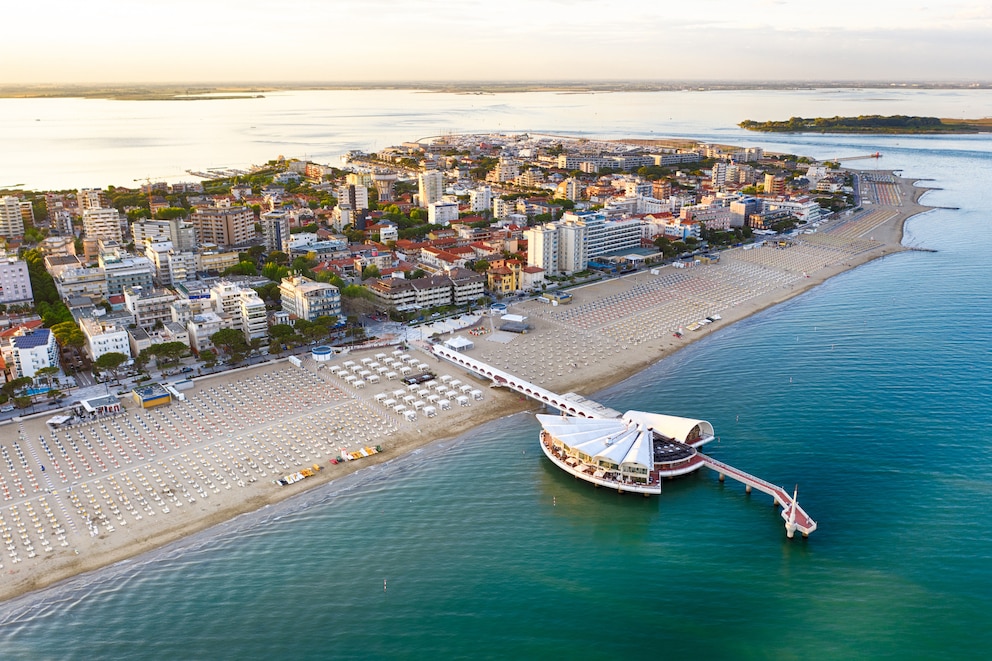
(669, 425)
(611, 439)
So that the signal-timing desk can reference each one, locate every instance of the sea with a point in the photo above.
(870, 393)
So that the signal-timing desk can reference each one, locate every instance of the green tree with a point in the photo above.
(111, 362)
(231, 341)
(170, 213)
(208, 357)
(370, 271)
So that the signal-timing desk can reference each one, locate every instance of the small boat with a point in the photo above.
(298, 476)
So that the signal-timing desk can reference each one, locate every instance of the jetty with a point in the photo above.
(630, 452)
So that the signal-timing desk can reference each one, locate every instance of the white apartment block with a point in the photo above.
(30, 351)
(15, 283)
(243, 306)
(430, 187)
(442, 213)
(104, 337)
(503, 208)
(308, 299)
(101, 223)
(91, 198)
(252, 314)
(542, 247)
(200, 328)
(149, 306)
(481, 199)
(82, 282)
(11, 220)
(275, 229)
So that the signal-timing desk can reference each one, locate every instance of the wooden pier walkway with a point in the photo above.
(795, 516)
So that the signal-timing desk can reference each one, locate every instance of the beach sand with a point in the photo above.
(119, 487)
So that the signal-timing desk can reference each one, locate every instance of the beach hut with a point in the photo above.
(409, 399)
(367, 361)
(433, 398)
(389, 403)
(476, 394)
(422, 367)
(398, 394)
(405, 370)
(445, 378)
(373, 378)
(399, 408)
(444, 405)
(430, 411)
(465, 388)
(380, 356)
(419, 404)
(454, 384)
(423, 392)
(392, 375)
(462, 400)
(381, 396)
(410, 415)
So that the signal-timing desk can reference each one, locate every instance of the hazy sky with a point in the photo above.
(53, 41)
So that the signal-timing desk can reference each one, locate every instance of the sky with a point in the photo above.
(328, 41)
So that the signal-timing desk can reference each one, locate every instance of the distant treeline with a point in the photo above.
(862, 124)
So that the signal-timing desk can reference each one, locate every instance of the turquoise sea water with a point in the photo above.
(871, 392)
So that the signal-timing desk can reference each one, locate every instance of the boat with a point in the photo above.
(298, 476)
(357, 454)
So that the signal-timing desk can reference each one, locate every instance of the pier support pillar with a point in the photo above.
(721, 477)
(747, 488)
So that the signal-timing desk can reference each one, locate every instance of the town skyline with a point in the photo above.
(108, 41)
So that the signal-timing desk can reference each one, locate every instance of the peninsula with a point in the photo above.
(119, 473)
(871, 124)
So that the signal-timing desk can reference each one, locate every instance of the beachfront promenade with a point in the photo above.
(573, 405)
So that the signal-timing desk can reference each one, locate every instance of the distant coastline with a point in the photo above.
(207, 92)
(872, 125)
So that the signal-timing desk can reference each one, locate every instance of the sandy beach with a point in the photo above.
(117, 487)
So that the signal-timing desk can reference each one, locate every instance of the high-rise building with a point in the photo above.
(774, 185)
(102, 223)
(307, 299)
(542, 247)
(275, 229)
(92, 198)
(442, 213)
(481, 199)
(355, 195)
(15, 283)
(30, 351)
(430, 187)
(231, 226)
(11, 220)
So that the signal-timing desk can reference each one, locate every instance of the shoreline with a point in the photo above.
(552, 325)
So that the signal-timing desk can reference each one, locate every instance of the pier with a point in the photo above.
(795, 516)
(690, 459)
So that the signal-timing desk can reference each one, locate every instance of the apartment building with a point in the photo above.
(308, 299)
(15, 282)
(231, 226)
